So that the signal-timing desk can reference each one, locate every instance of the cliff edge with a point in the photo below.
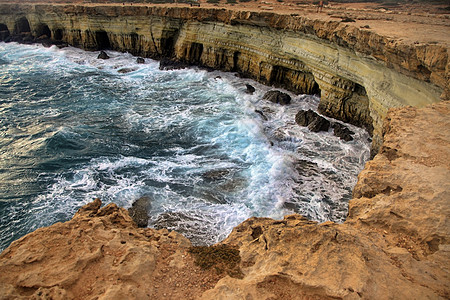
(359, 71)
(394, 244)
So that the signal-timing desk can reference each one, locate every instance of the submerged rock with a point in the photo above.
(103, 55)
(277, 97)
(215, 175)
(312, 120)
(261, 114)
(140, 60)
(250, 89)
(139, 211)
(342, 132)
(126, 70)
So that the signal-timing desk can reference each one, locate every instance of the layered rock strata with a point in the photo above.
(395, 244)
(359, 74)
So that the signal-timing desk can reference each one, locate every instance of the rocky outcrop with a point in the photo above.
(101, 254)
(277, 97)
(314, 121)
(103, 55)
(395, 243)
(358, 73)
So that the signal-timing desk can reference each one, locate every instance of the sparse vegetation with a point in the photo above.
(222, 258)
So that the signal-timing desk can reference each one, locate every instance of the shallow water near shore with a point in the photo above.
(73, 128)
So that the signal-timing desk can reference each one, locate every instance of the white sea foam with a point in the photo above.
(191, 141)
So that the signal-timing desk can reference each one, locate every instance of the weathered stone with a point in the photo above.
(250, 89)
(170, 64)
(277, 97)
(126, 70)
(103, 55)
(342, 132)
(139, 211)
(312, 120)
(261, 114)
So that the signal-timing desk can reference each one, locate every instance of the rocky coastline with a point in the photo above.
(395, 243)
(358, 73)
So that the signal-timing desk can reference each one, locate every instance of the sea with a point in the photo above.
(206, 153)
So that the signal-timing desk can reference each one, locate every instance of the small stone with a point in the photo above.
(250, 89)
(140, 60)
(103, 55)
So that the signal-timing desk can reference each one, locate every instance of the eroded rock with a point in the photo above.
(139, 211)
(103, 55)
(342, 132)
(312, 120)
(250, 89)
(277, 97)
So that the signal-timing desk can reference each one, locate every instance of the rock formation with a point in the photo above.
(277, 97)
(358, 73)
(314, 121)
(395, 242)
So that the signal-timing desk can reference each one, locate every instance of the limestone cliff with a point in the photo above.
(395, 243)
(358, 73)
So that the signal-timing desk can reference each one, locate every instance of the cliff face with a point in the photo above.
(395, 243)
(359, 74)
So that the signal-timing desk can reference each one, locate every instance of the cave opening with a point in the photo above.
(58, 34)
(195, 53)
(102, 40)
(4, 32)
(43, 30)
(299, 81)
(22, 25)
(167, 46)
(236, 56)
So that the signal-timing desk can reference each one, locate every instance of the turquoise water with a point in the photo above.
(73, 128)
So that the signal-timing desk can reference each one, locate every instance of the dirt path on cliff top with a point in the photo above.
(409, 23)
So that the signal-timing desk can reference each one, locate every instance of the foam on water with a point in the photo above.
(74, 128)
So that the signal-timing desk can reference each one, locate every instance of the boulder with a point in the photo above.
(261, 114)
(139, 211)
(277, 97)
(103, 55)
(140, 60)
(126, 70)
(250, 89)
(314, 121)
(342, 132)
(170, 64)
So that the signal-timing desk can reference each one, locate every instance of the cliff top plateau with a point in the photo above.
(416, 21)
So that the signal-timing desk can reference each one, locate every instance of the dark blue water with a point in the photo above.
(73, 128)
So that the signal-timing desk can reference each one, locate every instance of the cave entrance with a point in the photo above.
(4, 32)
(43, 30)
(195, 52)
(58, 34)
(299, 81)
(102, 40)
(22, 26)
(167, 46)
